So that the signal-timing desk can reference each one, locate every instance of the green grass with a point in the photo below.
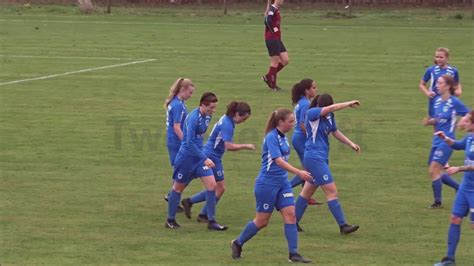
(80, 184)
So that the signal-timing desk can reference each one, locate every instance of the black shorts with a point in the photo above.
(275, 47)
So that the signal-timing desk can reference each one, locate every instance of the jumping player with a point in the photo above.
(440, 68)
(276, 50)
(220, 140)
(445, 109)
(320, 122)
(191, 162)
(272, 188)
(464, 201)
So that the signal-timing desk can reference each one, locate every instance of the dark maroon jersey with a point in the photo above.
(272, 24)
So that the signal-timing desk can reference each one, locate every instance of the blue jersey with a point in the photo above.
(275, 145)
(318, 129)
(300, 113)
(223, 131)
(467, 144)
(434, 72)
(195, 127)
(445, 113)
(176, 113)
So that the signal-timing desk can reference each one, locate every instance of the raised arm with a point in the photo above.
(343, 139)
(236, 147)
(339, 106)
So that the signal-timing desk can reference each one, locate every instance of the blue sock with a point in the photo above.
(300, 207)
(211, 204)
(296, 180)
(291, 234)
(436, 185)
(173, 201)
(448, 180)
(337, 212)
(199, 197)
(249, 231)
(204, 209)
(454, 234)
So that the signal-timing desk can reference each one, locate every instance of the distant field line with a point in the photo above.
(76, 72)
(232, 25)
(66, 57)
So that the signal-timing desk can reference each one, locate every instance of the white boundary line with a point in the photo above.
(232, 25)
(75, 72)
(66, 57)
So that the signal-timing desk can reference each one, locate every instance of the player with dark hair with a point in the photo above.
(272, 188)
(276, 50)
(440, 68)
(191, 162)
(445, 109)
(220, 140)
(320, 122)
(464, 201)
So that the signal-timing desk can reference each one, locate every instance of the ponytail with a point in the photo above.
(278, 115)
(176, 88)
(299, 89)
(242, 108)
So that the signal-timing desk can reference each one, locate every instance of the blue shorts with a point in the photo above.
(269, 197)
(218, 170)
(463, 204)
(298, 140)
(320, 171)
(173, 149)
(440, 154)
(186, 169)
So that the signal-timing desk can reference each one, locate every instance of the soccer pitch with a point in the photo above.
(82, 133)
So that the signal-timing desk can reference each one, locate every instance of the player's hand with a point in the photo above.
(440, 134)
(306, 176)
(209, 163)
(250, 147)
(354, 104)
(355, 147)
(452, 170)
(428, 121)
(430, 94)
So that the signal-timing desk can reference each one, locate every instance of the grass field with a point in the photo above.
(83, 157)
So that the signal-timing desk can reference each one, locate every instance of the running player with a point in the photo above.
(272, 188)
(175, 106)
(440, 68)
(464, 201)
(445, 109)
(301, 95)
(191, 162)
(220, 140)
(320, 122)
(276, 50)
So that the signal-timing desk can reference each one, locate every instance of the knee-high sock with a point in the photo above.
(454, 234)
(300, 207)
(173, 202)
(204, 208)
(211, 205)
(249, 231)
(291, 234)
(296, 180)
(336, 210)
(449, 181)
(272, 75)
(199, 197)
(279, 67)
(437, 186)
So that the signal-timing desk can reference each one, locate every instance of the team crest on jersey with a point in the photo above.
(207, 122)
(445, 108)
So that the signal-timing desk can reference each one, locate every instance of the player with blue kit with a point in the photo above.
(464, 201)
(176, 113)
(446, 108)
(432, 74)
(191, 162)
(272, 188)
(220, 140)
(320, 122)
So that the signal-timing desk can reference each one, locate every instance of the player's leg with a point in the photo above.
(439, 156)
(291, 234)
(220, 189)
(209, 183)
(173, 201)
(302, 202)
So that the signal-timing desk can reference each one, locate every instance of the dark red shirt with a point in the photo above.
(272, 24)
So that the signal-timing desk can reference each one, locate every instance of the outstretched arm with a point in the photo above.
(455, 169)
(343, 139)
(236, 147)
(339, 106)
